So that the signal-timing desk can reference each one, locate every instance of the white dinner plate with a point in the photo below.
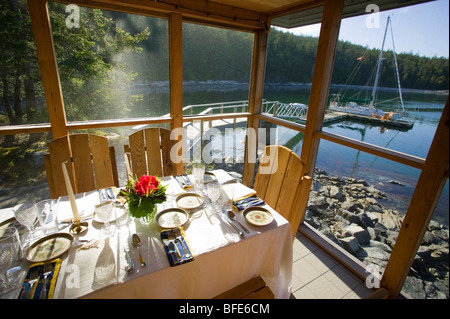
(189, 201)
(172, 217)
(258, 216)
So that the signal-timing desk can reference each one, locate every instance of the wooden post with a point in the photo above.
(176, 77)
(40, 23)
(323, 67)
(423, 202)
(255, 102)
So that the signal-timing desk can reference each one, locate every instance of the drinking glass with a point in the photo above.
(199, 175)
(214, 192)
(10, 258)
(26, 214)
(46, 212)
(105, 212)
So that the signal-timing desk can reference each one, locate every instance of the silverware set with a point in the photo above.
(184, 181)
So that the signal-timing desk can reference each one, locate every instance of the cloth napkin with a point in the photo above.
(40, 269)
(247, 202)
(176, 246)
(184, 181)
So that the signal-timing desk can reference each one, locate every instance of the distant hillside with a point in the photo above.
(220, 54)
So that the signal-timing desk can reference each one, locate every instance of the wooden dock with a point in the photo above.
(335, 116)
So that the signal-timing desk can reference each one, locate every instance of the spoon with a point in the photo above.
(232, 216)
(135, 240)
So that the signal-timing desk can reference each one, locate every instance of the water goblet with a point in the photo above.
(214, 191)
(10, 258)
(26, 214)
(105, 212)
(199, 175)
(46, 212)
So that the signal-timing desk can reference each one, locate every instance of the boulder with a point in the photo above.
(350, 244)
(360, 233)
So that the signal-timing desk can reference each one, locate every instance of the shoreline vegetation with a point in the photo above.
(141, 86)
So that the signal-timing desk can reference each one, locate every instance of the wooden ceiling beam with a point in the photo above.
(202, 11)
(294, 7)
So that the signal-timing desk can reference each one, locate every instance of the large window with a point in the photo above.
(360, 199)
(111, 65)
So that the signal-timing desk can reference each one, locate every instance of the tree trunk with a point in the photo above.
(8, 108)
(30, 98)
(17, 105)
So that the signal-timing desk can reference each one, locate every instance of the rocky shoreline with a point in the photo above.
(347, 211)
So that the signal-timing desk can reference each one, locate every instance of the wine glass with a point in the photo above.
(105, 213)
(10, 258)
(26, 214)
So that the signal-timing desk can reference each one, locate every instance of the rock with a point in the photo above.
(414, 287)
(349, 205)
(380, 245)
(311, 220)
(360, 233)
(350, 244)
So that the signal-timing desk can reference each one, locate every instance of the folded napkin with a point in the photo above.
(247, 202)
(184, 181)
(176, 247)
(108, 194)
(38, 271)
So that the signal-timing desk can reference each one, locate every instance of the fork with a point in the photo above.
(34, 276)
(176, 235)
(48, 268)
(173, 246)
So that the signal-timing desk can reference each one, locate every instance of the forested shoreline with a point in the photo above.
(110, 51)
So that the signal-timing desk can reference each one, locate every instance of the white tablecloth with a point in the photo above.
(97, 269)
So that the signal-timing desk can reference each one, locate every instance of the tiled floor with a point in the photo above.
(317, 275)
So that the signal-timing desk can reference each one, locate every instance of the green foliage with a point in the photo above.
(291, 58)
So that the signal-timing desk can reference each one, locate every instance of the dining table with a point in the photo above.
(95, 266)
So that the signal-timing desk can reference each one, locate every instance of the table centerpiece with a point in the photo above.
(142, 196)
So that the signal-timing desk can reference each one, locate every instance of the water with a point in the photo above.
(397, 181)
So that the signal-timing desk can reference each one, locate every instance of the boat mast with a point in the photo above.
(377, 75)
(396, 70)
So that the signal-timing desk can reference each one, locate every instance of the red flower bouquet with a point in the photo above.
(143, 195)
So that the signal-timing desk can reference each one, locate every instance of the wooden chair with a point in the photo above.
(281, 184)
(254, 288)
(91, 164)
(149, 153)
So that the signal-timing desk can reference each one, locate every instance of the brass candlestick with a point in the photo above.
(78, 227)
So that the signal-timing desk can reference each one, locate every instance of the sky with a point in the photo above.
(421, 29)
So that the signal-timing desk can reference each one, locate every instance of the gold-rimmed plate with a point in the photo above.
(258, 216)
(49, 247)
(209, 177)
(189, 201)
(172, 217)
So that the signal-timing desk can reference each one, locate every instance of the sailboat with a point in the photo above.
(365, 107)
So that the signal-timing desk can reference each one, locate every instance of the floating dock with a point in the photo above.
(335, 116)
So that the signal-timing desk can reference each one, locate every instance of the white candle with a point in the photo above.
(76, 216)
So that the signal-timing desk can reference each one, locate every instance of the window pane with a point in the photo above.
(220, 144)
(360, 205)
(22, 170)
(22, 98)
(378, 74)
(216, 66)
(111, 65)
(291, 54)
